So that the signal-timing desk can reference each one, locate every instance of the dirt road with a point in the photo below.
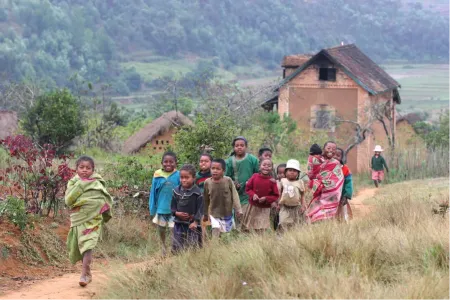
(66, 286)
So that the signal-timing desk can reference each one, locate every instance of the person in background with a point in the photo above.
(90, 207)
(202, 175)
(262, 191)
(315, 160)
(240, 166)
(163, 183)
(220, 198)
(266, 153)
(275, 209)
(292, 199)
(378, 164)
(347, 190)
(187, 209)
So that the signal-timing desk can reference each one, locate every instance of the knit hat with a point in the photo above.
(293, 164)
(315, 150)
(378, 148)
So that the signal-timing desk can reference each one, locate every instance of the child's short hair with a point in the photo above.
(263, 160)
(85, 158)
(239, 138)
(280, 166)
(169, 153)
(329, 142)
(342, 161)
(207, 155)
(315, 150)
(189, 168)
(221, 162)
(264, 149)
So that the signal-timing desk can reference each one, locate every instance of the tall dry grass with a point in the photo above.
(401, 250)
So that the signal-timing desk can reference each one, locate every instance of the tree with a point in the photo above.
(275, 129)
(55, 118)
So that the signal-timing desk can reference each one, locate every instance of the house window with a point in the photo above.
(167, 142)
(328, 74)
(322, 117)
(156, 142)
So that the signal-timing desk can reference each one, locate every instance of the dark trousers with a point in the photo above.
(183, 237)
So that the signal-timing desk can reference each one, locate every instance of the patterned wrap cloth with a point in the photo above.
(327, 190)
(90, 207)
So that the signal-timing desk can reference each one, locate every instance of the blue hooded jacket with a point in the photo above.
(161, 192)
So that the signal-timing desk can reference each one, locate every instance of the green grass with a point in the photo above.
(154, 70)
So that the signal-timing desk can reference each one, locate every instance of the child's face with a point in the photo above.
(85, 169)
(205, 164)
(240, 148)
(169, 164)
(266, 167)
(280, 172)
(266, 155)
(338, 155)
(291, 174)
(216, 171)
(186, 179)
(329, 150)
(377, 153)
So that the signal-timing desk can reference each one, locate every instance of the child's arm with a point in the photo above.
(199, 212)
(348, 187)
(236, 200)
(274, 194)
(229, 172)
(73, 192)
(152, 201)
(385, 165)
(206, 199)
(249, 188)
(302, 200)
(173, 204)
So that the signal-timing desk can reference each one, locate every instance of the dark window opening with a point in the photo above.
(156, 142)
(328, 74)
(160, 148)
(154, 148)
(323, 119)
(167, 142)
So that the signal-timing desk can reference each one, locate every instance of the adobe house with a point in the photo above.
(8, 123)
(339, 83)
(156, 136)
(407, 137)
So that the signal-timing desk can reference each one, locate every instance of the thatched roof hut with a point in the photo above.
(158, 127)
(8, 123)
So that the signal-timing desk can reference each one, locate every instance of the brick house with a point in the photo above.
(339, 83)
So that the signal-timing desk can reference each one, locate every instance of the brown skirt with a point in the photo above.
(256, 218)
(290, 215)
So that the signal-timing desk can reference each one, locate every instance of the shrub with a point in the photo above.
(54, 119)
(14, 209)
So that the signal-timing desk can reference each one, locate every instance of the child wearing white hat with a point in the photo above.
(378, 164)
(292, 200)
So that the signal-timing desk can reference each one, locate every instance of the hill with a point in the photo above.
(103, 41)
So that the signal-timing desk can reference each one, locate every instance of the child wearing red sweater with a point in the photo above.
(262, 191)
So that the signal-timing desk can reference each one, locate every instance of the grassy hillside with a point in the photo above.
(401, 250)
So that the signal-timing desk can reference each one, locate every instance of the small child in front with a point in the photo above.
(292, 201)
(275, 214)
(90, 207)
(187, 208)
(262, 191)
(202, 175)
(220, 198)
(347, 189)
(378, 164)
(163, 183)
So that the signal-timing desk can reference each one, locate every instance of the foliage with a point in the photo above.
(36, 174)
(276, 130)
(216, 131)
(440, 137)
(14, 209)
(55, 119)
(58, 37)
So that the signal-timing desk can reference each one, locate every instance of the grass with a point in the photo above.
(401, 250)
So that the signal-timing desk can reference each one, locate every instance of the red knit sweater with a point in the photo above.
(262, 186)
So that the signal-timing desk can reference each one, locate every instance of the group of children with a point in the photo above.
(243, 192)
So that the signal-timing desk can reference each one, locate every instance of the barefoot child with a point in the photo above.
(262, 191)
(345, 209)
(163, 183)
(90, 207)
(240, 166)
(202, 175)
(275, 214)
(378, 164)
(292, 201)
(220, 197)
(187, 208)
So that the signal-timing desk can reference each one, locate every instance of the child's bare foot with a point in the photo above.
(83, 281)
(163, 252)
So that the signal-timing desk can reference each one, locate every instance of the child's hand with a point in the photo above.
(237, 185)
(205, 219)
(183, 216)
(262, 199)
(255, 197)
(273, 180)
(274, 205)
(303, 208)
(193, 225)
(239, 215)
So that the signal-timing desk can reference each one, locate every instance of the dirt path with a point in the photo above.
(66, 286)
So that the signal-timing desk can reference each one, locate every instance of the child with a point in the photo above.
(264, 153)
(275, 206)
(262, 191)
(163, 182)
(378, 164)
(220, 197)
(240, 166)
(315, 160)
(202, 175)
(292, 201)
(90, 207)
(187, 208)
(347, 189)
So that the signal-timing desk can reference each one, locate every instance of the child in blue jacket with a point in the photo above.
(163, 183)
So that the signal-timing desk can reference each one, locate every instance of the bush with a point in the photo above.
(55, 118)
(14, 209)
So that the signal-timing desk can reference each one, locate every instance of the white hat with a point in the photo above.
(293, 164)
(378, 148)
